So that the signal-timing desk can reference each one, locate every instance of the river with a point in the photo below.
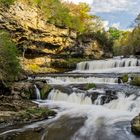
(100, 113)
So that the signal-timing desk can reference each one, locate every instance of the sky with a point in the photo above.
(117, 13)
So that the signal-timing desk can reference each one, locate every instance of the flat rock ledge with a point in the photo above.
(11, 115)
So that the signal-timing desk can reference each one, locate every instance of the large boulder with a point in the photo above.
(135, 125)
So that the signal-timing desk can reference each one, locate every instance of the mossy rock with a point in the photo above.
(45, 91)
(125, 78)
(136, 81)
(135, 125)
(89, 86)
(36, 113)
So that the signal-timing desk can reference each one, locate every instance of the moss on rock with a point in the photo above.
(135, 125)
(89, 86)
(45, 90)
(124, 78)
(136, 81)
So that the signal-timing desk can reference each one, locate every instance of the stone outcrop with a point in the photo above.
(40, 42)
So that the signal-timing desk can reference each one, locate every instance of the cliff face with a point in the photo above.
(39, 42)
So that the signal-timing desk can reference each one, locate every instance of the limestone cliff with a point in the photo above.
(39, 42)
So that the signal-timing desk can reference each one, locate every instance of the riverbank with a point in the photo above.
(12, 115)
(17, 106)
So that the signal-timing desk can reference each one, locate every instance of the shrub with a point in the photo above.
(9, 64)
(6, 2)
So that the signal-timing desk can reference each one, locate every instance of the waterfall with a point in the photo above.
(78, 80)
(37, 92)
(123, 102)
(110, 65)
(100, 113)
(77, 98)
(98, 101)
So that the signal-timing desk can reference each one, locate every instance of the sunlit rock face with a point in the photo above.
(38, 40)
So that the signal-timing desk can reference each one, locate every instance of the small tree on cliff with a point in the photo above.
(9, 64)
(7, 3)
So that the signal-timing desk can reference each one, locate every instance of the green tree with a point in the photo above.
(114, 33)
(137, 20)
(7, 2)
(135, 40)
(9, 64)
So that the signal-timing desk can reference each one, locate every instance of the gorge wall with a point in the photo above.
(43, 45)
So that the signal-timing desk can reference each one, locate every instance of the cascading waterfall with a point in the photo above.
(78, 80)
(101, 113)
(123, 102)
(37, 92)
(110, 65)
(103, 122)
(77, 98)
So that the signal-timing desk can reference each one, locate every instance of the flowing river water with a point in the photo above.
(100, 113)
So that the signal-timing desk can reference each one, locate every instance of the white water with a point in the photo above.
(77, 80)
(125, 103)
(115, 65)
(77, 98)
(101, 120)
(37, 92)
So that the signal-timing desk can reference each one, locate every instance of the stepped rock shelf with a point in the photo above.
(90, 103)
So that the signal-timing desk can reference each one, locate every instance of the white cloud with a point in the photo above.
(116, 25)
(114, 5)
(111, 5)
(106, 24)
(77, 1)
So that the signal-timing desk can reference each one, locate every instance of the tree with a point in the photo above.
(114, 33)
(134, 39)
(9, 64)
(6, 2)
(137, 20)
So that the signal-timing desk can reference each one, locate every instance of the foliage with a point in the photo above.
(137, 20)
(121, 45)
(6, 2)
(8, 58)
(33, 67)
(104, 39)
(134, 40)
(114, 33)
(127, 42)
(65, 14)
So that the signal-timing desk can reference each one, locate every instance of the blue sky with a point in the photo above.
(117, 13)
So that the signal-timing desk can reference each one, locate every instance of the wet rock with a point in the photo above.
(24, 89)
(103, 97)
(110, 95)
(38, 129)
(64, 89)
(94, 97)
(135, 125)
(45, 91)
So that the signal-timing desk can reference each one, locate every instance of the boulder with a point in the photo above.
(45, 91)
(135, 125)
